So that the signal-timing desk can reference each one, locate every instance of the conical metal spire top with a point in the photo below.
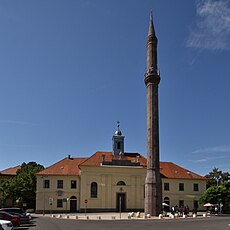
(151, 26)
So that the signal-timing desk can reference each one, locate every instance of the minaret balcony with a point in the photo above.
(152, 76)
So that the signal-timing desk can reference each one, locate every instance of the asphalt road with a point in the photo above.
(212, 223)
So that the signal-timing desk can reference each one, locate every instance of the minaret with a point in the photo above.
(153, 188)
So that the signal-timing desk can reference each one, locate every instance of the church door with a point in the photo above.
(73, 204)
(121, 202)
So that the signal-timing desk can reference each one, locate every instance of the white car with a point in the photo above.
(6, 225)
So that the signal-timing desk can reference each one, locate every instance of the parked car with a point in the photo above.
(16, 210)
(6, 225)
(15, 220)
(22, 218)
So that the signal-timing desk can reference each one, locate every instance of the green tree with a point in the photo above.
(217, 195)
(7, 189)
(217, 177)
(22, 188)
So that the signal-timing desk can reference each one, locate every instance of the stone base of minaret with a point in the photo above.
(153, 194)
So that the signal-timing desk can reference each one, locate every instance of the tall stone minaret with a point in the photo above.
(153, 188)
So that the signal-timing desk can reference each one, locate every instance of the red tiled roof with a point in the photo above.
(96, 158)
(72, 166)
(10, 171)
(173, 171)
(167, 169)
(67, 166)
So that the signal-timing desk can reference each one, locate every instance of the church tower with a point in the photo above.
(153, 187)
(118, 142)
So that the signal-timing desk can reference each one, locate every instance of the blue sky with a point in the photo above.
(71, 69)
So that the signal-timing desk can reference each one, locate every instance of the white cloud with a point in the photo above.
(212, 29)
(215, 149)
(206, 159)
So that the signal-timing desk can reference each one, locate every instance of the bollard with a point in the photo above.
(160, 216)
(148, 215)
(76, 217)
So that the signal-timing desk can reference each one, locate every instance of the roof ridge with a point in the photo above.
(66, 158)
(93, 156)
(4, 171)
(171, 172)
(51, 166)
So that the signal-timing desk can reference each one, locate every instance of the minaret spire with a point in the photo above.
(151, 26)
(152, 48)
(153, 189)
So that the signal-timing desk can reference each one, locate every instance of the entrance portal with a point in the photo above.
(73, 204)
(121, 202)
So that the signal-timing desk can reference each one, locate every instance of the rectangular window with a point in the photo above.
(60, 184)
(181, 186)
(181, 203)
(59, 203)
(196, 187)
(46, 184)
(166, 186)
(73, 184)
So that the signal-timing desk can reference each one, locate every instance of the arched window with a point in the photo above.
(166, 204)
(93, 190)
(167, 200)
(121, 183)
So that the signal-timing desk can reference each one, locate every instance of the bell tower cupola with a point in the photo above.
(118, 142)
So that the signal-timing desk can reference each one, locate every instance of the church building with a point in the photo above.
(112, 181)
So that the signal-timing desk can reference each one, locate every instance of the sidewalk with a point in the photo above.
(114, 216)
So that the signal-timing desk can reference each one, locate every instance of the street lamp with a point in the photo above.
(51, 200)
(66, 204)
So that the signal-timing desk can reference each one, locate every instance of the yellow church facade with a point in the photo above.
(108, 182)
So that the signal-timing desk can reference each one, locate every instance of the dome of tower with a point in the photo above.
(118, 133)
